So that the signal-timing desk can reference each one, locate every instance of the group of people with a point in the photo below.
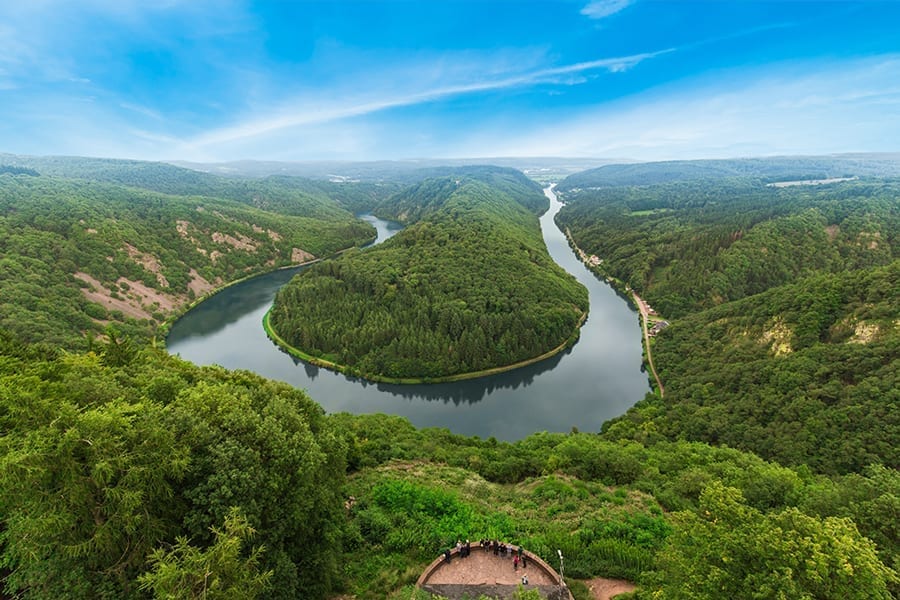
(503, 549)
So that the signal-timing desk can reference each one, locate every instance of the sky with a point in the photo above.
(223, 80)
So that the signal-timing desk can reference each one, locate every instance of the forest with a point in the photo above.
(769, 470)
(81, 254)
(128, 473)
(784, 306)
(467, 286)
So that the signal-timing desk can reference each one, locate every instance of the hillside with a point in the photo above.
(773, 169)
(81, 254)
(690, 246)
(784, 310)
(804, 374)
(126, 473)
(467, 286)
(274, 192)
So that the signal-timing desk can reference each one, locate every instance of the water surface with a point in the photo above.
(600, 377)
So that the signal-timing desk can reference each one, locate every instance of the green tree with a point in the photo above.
(727, 549)
(220, 572)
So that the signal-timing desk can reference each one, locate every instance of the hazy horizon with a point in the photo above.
(624, 80)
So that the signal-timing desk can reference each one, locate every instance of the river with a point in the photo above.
(600, 377)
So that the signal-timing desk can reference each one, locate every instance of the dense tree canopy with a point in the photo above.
(785, 303)
(468, 286)
(107, 458)
(64, 237)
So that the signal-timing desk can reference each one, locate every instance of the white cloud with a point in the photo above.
(804, 108)
(600, 9)
(322, 110)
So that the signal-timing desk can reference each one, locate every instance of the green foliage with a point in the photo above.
(469, 286)
(101, 462)
(64, 237)
(777, 374)
(216, 573)
(785, 340)
(793, 168)
(729, 550)
(725, 240)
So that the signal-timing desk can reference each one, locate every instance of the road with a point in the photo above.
(645, 313)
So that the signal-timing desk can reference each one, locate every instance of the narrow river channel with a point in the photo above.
(597, 379)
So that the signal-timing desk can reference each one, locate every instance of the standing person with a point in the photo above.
(515, 562)
(459, 547)
(524, 579)
(496, 546)
(447, 557)
(468, 548)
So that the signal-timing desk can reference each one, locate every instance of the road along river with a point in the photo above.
(600, 377)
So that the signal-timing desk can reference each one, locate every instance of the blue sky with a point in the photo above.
(641, 79)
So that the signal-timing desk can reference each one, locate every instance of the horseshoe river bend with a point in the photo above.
(597, 379)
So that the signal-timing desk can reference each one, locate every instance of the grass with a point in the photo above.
(404, 517)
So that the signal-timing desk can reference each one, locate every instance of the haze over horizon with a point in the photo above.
(637, 79)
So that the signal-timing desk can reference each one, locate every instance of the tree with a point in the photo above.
(730, 550)
(219, 572)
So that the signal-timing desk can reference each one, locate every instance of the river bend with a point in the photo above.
(599, 378)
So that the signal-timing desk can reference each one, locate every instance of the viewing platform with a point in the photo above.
(483, 573)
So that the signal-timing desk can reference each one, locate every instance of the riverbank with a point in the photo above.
(621, 287)
(347, 370)
(179, 312)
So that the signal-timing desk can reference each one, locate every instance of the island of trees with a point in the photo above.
(467, 287)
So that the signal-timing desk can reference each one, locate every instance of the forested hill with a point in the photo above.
(805, 373)
(774, 169)
(288, 195)
(784, 309)
(424, 198)
(79, 254)
(689, 246)
(128, 474)
(468, 286)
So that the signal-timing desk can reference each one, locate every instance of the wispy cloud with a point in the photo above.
(600, 9)
(321, 112)
(801, 108)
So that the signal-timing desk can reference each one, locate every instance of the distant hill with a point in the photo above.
(783, 304)
(397, 170)
(276, 192)
(784, 168)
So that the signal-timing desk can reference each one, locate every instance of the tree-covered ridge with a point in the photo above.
(128, 473)
(78, 254)
(689, 246)
(772, 169)
(805, 373)
(468, 286)
(784, 307)
(424, 197)
(282, 194)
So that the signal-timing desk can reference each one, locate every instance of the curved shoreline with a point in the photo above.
(347, 370)
(181, 311)
(633, 299)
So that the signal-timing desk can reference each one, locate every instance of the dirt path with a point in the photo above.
(606, 589)
(645, 313)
